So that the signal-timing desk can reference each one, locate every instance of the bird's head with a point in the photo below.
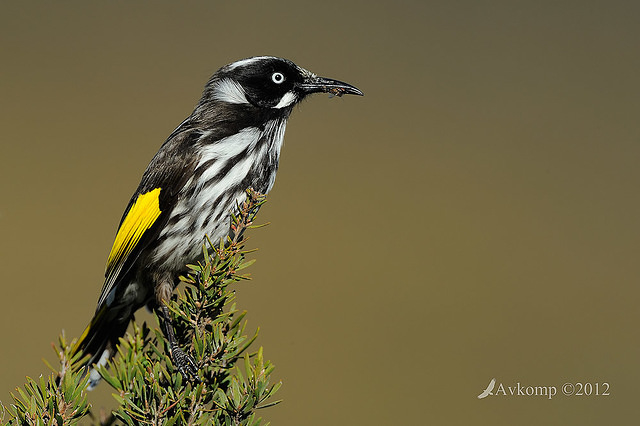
(267, 82)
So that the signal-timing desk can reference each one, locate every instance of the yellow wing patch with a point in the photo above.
(141, 216)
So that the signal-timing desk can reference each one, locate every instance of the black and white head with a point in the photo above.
(269, 83)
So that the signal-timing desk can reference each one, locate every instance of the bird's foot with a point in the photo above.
(185, 364)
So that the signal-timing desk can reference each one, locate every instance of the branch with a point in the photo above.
(147, 388)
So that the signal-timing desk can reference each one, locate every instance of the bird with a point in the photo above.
(489, 390)
(229, 143)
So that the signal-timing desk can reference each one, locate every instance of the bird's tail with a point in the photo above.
(99, 340)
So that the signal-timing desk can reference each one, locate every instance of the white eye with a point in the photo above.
(277, 77)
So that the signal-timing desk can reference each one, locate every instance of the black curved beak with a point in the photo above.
(315, 84)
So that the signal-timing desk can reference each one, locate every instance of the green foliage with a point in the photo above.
(61, 399)
(148, 389)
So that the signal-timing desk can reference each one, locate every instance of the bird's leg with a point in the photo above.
(181, 359)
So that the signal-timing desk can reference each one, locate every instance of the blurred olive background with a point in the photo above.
(475, 215)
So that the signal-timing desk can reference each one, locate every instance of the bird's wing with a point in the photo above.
(149, 209)
(141, 215)
(492, 383)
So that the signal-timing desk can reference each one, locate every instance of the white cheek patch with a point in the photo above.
(227, 90)
(287, 99)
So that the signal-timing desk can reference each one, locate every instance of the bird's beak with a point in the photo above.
(315, 84)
